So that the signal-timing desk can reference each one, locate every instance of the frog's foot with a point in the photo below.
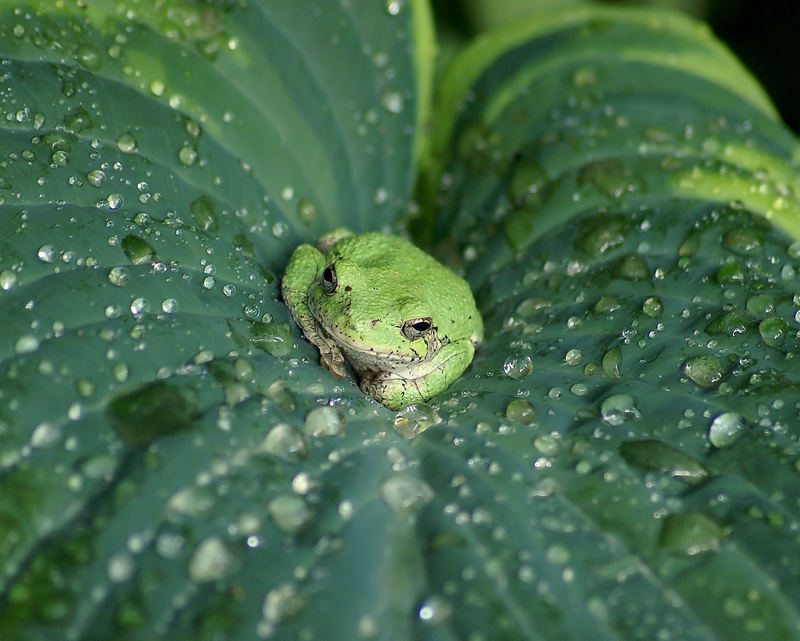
(394, 392)
(333, 361)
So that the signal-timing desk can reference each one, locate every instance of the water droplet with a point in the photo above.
(45, 435)
(203, 213)
(191, 501)
(169, 306)
(137, 250)
(87, 57)
(612, 360)
(286, 442)
(690, 533)
(744, 241)
(287, 193)
(126, 143)
(7, 279)
(733, 323)
(139, 306)
(46, 253)
(114, 201)
(726, 428)
(761, 304)
(652, 307)
(652, 454)
(157, 87)
(705, 371)
(187, 155)
(282, 603)
(96, 177)
(434, 609)
(405, 493)
(633, 267)
(78, 120)
(120, 567)
(518, 366)
(393, 7)
(118, 276)
(306, 210)
(773, 330)
(211, 560)
(290, 513)
(521, 411)
(415, 419)
(26, 344)
(323, 421)
(392, 101)
(573, 357)
(618, 409)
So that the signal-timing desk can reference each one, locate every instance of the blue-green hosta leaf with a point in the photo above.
(160, 160)
(642, 322)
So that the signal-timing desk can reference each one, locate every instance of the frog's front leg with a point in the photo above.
(394, 391)
(302, 272)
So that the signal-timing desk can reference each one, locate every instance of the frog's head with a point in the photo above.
(377, 318)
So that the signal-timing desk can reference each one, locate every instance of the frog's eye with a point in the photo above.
(416, 327)
(329, 280)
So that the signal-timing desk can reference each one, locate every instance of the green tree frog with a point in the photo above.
(407, 325)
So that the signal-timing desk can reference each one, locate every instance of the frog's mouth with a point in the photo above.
(363, 357)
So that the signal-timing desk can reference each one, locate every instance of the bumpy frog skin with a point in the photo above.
(407, 325)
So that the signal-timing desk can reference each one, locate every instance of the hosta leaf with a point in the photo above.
(641, 315)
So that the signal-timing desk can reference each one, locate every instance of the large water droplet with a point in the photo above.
(323, 421)
(137, 250)
(706, 371)
(290, 513)
(286, 442)
(690, 533)
(726, 428)
(518, 366)
(619, 408)
(211, 560)
(651, 454)
(405, 492)
(415, 419)
(282, 603)
(521, 411)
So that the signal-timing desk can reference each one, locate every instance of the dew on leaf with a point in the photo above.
(204, 214)
(612, 360)
(521, 411)
(518, 366)
(306, 210)
(652, 454)
(46, 435)
(286, 442)
(77, 121)
(404, 492)
(435, 609)
(773, 331)
(137, 250)
(705, 371)
(211, 560)
(652, 307)
(761, 304)
(7, 279)
(732, 323)
(169, 306)
(289, 513)
(726, 428)
(282, 603)
(573, 357)
(392, 101)
(606, 305)
(46, 253)
(731, 274)
(618, 409)
(744, 241)
(415, 419)
(187, 155)
(126, 143)
(191, 501)
(96, 177)
(26, 344)
(323, 421)
(632, 267)
(689, 534)
(139, 306)
(120, 567)
(273, 338)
